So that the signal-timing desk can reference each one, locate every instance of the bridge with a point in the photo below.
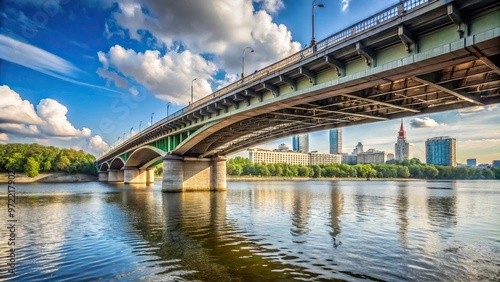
(416, 57)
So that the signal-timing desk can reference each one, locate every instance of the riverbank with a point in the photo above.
(56, 177)
(279, 178)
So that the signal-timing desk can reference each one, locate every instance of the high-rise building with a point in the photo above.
(336, 141)
(358, 149)
(471, 162)
(441, 151)
(402, 147)
(300, 143)
(496, 163)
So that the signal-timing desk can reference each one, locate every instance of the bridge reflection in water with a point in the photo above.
(416, 57)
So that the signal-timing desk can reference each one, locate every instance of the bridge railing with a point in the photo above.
(356, 29)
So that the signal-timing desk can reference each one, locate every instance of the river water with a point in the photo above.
(256, 231)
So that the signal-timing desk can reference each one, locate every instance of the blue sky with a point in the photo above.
(81, 73)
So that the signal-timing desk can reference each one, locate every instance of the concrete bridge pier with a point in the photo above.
(150, 175)
(134, 175)
(115, 175)
(103, 176)
(182, 174)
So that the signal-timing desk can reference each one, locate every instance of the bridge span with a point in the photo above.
(416, 57)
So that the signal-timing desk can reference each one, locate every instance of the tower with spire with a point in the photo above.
(402, 147)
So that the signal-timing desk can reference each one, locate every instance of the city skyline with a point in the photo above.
(477, 137)
(99, 70)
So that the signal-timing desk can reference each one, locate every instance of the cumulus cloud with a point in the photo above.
(18, 117)
(221, 27)
(4, 137)
(271, 6)
(56, 122)
(344, 4)
(424, 122)
(169, 76)
(97, 145)
(13, 109)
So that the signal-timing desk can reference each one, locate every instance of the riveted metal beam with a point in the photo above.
(275, 90)
(308, 73)
(494, 66)
(407, 38)
(430, 79)
(289, 81)
(366, 53)
(251, 93)
(337, 64)
(239, 97)
(381, 103)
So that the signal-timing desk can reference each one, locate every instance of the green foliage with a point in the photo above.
(32, 158)
(159, 170)
(412, 168)
(31, 167)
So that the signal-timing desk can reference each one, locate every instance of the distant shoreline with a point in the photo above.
(54, 177)
(279, 178)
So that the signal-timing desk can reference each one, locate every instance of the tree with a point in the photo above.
(15, 163)
(31, 167)
(403, 172)
(431, 171)
(234, 169)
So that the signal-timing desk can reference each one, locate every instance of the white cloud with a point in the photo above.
(4, 137)
(344, 4)
(424, 122)
(220, 27)
(34, 58)
(477, 109)
(18, 117)
(168, 77)
(24, 130)
(13, 109)
(271, 6)
(56, 122)
(97, 145)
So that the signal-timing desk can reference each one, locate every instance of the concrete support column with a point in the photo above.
(182, 174)
(133, 175)
(115, 175)
(219, 174)
(150, 175)
(173, 174)
(103, 176)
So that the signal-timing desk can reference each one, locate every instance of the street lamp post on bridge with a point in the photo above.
(192, 90)
(313, 40)
(243, 61)
(152, 114)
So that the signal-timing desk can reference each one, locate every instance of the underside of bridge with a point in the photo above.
(417, 57)
(461, 82)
